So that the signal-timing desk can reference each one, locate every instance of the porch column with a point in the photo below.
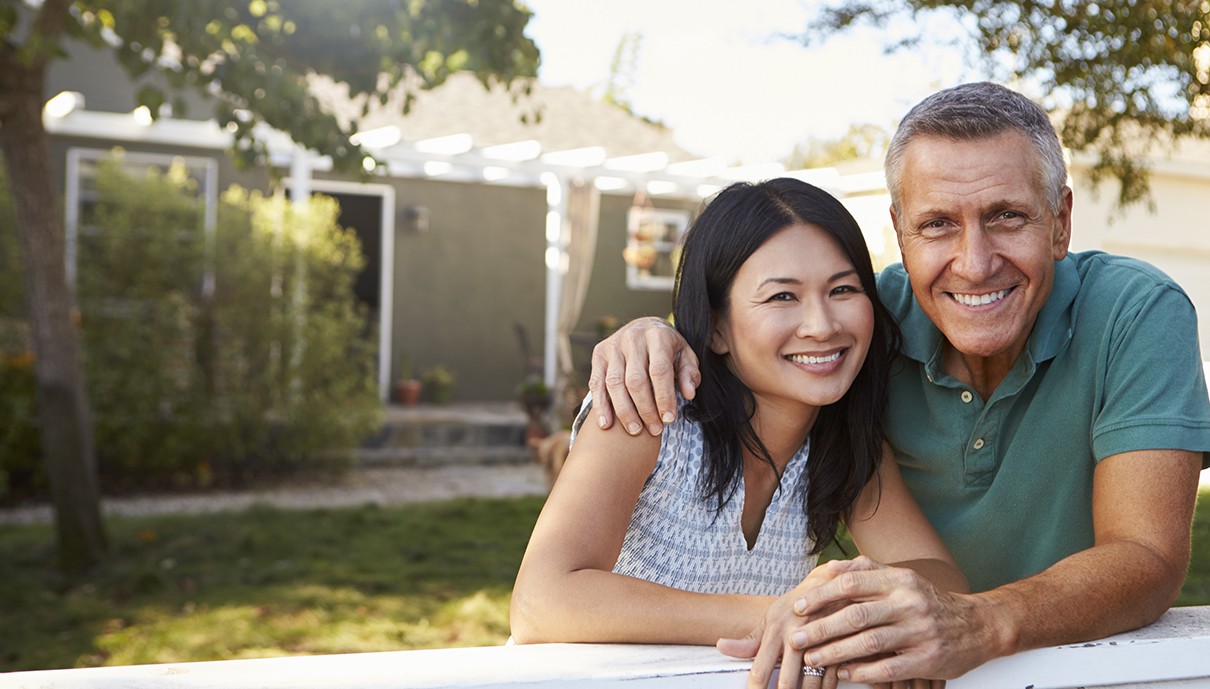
(556, 267)
(300, 176)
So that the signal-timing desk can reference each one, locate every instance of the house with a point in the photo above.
(496, 245)
(1171, 232)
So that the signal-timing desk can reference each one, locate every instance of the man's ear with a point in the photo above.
(1062, 235)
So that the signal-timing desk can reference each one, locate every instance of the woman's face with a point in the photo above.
(799, 323)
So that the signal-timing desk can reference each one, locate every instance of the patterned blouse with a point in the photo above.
(677, 539)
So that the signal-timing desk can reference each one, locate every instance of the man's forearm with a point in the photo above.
(1142, 510)
(1107, 589)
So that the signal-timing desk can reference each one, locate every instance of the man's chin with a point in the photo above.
(985, 347)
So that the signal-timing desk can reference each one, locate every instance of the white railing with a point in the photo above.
(1173, 652)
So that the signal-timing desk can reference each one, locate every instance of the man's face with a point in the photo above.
(979, 239)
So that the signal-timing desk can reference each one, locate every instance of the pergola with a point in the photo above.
(571, 178)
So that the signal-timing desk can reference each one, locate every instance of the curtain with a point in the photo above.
(583, 215)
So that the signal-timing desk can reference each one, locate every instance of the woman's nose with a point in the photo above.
(818, 321)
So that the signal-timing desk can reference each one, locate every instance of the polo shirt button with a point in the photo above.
(967, 396)
(979, 444)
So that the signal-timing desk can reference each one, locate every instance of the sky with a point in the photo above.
(714, 72)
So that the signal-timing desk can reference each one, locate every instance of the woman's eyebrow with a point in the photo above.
(779, 281)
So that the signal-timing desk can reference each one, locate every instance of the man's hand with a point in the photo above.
(889, 624)
(635, 372)
(775, 641)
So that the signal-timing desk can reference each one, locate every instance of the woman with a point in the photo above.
(691, 536)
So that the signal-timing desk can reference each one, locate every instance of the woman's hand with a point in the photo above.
(779, 637)
(635, 373)
(771, 642)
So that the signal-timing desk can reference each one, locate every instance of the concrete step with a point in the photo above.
(442, 456)
(435, 435)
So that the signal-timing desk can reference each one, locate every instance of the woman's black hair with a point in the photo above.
(846, 440)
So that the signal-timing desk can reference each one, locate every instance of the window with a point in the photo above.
(200, 177)
(653, 246)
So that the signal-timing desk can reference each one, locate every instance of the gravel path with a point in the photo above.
(378, 485)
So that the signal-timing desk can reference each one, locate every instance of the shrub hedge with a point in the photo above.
(209, 357)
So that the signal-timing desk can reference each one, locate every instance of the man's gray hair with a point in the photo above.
(979, 111)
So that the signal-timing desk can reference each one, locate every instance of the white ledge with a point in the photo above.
(1173, 652)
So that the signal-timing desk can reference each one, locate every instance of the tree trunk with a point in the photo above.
(64, 417)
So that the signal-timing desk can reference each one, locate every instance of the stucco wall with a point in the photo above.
(461, 285)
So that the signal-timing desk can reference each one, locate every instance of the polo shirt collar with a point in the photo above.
(1052, 330)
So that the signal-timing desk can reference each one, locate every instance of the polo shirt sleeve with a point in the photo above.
(1153, 388)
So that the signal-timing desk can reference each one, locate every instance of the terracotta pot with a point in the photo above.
(407, 392)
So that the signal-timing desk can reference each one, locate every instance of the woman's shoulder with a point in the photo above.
(680, 425)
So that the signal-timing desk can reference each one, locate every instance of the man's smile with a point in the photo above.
(979, 299)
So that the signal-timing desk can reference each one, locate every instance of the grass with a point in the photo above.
(268, 582)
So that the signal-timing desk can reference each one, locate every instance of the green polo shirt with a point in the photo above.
(1112, 366)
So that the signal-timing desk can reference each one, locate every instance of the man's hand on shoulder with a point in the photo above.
(636, 373)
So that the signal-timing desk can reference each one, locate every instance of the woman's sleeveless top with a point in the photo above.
(678, 539)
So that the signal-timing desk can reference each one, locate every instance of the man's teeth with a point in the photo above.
(979, 299)
(805, 359)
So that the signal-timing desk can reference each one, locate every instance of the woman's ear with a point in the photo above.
(720, 337)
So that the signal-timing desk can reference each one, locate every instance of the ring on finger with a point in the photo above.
(808, 671)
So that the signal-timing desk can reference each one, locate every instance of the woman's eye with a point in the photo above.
(846, 289)
(782, 296)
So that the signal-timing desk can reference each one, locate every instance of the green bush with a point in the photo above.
(209, 358)
(292, 357)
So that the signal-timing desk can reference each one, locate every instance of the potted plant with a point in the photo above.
(535, 397)
(605, 326)
(407, 387)
(438, 384)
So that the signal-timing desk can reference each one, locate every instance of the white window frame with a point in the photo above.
(386, 290)
(674, 222)
(207, 175)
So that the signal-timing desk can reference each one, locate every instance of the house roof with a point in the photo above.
(569, 118)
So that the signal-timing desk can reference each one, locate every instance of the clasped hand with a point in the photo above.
(866, 622)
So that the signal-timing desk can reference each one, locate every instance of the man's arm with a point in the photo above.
(635, 373)
(1142, 508)
(1142, 511)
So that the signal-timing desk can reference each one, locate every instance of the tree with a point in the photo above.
(1128, 74)
(622, 67)
(860, 141)
(254, 57)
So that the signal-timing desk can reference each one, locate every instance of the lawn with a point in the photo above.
(270, 582)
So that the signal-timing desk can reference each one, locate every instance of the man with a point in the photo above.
(1049, 410)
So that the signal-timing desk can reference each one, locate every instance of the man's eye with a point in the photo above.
(934, 227)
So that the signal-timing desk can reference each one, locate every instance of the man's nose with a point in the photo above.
(975, 255)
